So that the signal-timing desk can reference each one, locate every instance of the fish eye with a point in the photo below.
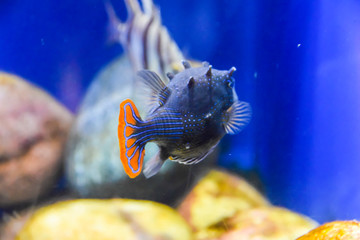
(230, 83)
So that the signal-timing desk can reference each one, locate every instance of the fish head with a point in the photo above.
(223, 87)
(200, 88)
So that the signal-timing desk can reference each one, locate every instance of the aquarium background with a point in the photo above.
(298, 64)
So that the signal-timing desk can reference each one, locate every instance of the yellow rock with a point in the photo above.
(267, 223)
(105, 220)
(339, 230)
(225, 207)
(216, 197)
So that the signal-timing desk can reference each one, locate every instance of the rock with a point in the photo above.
(93, 165)
(339, 230)
(218, 196)
(33, 131)
(266, 223)
(224, 206)
(12, 225)
(106, 220)
(14, 220)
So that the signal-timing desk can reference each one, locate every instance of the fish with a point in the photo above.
(186, 118)
(145, 40)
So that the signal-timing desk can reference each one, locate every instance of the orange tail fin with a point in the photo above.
(132, 150)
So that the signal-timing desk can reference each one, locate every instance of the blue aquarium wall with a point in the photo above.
(298, 64)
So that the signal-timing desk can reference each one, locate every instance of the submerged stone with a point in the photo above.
(33, 131)
(266, 223)
(224, 206)
(106, 220)
(218, 196)
(339, 230)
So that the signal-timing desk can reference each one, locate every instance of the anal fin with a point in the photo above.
(153, 166)
(194, 160)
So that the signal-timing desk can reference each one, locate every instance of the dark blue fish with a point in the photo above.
(187, 118)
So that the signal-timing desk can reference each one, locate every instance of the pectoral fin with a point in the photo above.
(237, 117)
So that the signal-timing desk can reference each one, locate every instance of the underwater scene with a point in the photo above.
(203, 119)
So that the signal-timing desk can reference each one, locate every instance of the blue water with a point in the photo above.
(297, 64)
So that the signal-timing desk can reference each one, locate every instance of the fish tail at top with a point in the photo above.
(144, 38)
(115, 29)
(132, 148)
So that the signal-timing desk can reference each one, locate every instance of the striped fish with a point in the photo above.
(143, 37)
(187, 118)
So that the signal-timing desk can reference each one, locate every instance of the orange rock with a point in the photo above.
(338, 230)
(33, 131)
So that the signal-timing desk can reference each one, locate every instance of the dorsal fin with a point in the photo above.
(237, 117)
(154, 89)
(151, 80)
(163, 96)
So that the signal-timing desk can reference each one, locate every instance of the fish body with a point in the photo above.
(187, 118)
